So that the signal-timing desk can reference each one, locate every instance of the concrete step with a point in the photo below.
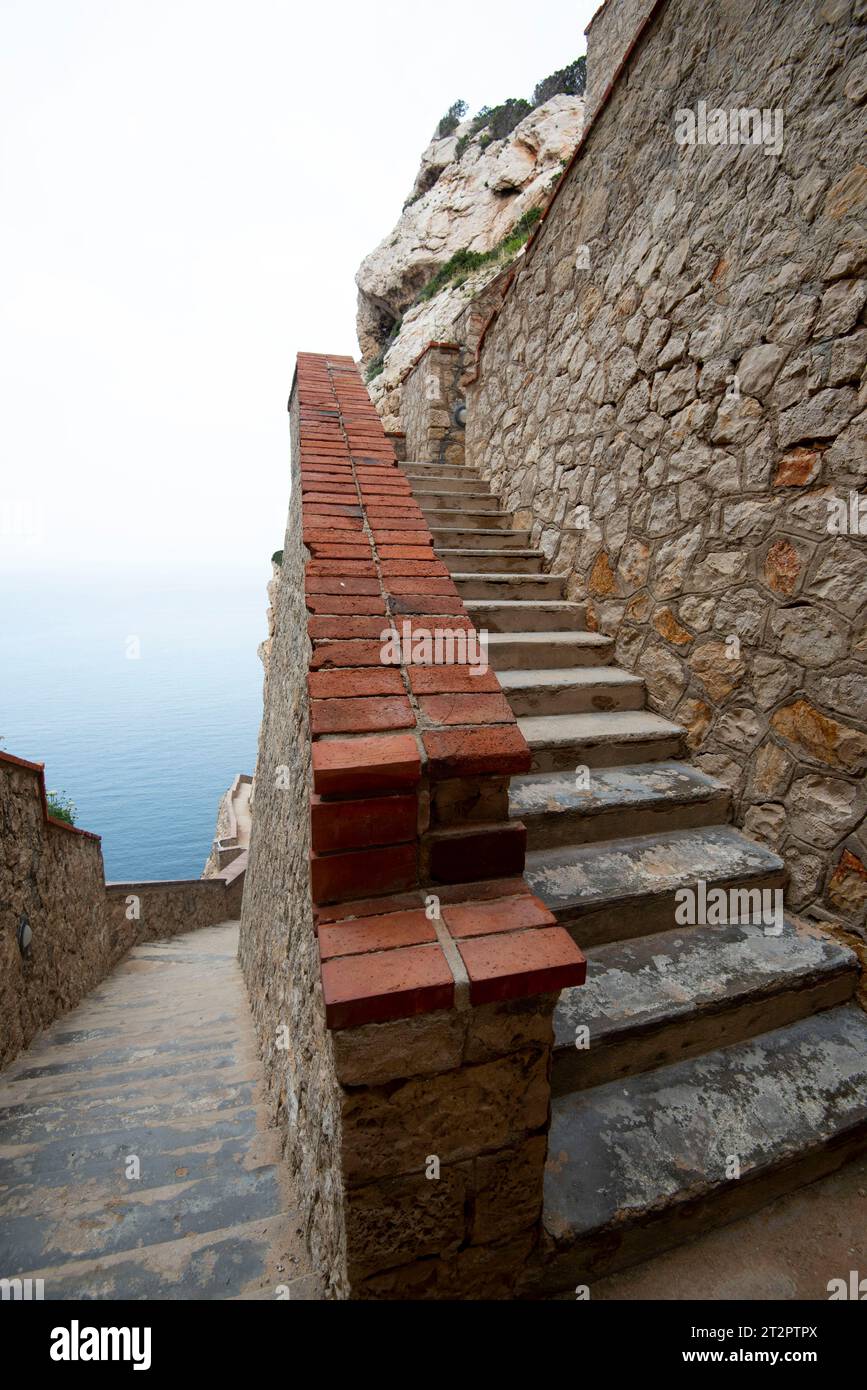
(454, 536)
(659, 999)
(466, 519)
(636, 1167)
(575, 690)
(492, 561)
(504, 615)
(443, 499)
(427, 483)
(418, 469)
(515, 588)
(639, 799)
(519, 651)
(624, 888)
(568, 741)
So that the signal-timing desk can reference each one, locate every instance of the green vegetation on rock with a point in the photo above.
(462, 264)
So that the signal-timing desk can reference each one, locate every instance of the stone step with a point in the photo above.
(638, 799)
(618, 889)
(520, 651)
(568, 741)
(441, 499)
(514, 588)
(453, 537)
(437, 483)
(492, 561)
(638, 1166)
(659, 999)
(418, 469)
(438, 518)
(505, 615)
(577, 690)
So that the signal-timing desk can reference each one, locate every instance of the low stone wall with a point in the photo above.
(152, 910)
(429, 393)
(51, 875)
(672, 398)
(403, 987)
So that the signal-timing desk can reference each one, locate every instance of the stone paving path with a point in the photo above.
(160, 1065)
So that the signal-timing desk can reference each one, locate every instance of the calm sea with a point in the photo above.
(145, 745)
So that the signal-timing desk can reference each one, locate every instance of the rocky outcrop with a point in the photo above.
(469, 195)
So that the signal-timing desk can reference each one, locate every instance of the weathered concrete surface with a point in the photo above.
(642, 1163)
(159, 1063)
(796, 1245)
(658, 999)
(627, 887)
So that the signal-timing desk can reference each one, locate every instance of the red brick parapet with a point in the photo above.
(415, 866)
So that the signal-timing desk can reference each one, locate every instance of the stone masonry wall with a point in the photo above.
(430, 393)
(609, 34)
(682, 355)
(278, 949)
(53, 875)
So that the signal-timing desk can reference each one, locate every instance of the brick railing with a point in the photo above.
(411, 762)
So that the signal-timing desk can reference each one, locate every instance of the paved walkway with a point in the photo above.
(160, 1065)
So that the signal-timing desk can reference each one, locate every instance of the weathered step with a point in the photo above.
(659, 999)
(518, 651)
(464, 519)
(443, 499)
(505, 615)
(415, 469)
(562, 741)
(514, 588)
(638, 1166)
(572, 691)
(492, 561)
(443, 484)
(624, 888)
(455, 536)
(638, 799)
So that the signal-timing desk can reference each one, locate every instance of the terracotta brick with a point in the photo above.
(335, 878)
(403, 587)
(431, 569)
(478, 851)
(516, 965)
(383, 536)
(361, 716)
(349, 767)
(386, 985)
(467, 709)
(501, 915)
(346, 588)
(334, 605)
(476, 752)
(332, 551)
(372, 907)
(349, 682)
(386, 933)
(362, 823)
(405, 552)
(330, 655)
(337, 627)
(452, 680)
(333, 528)
(433, 604)
(325, 510)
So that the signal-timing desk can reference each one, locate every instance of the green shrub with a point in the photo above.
(452, 119)
(61, 807)
(277, 557)
(462, 264)
(571, 80)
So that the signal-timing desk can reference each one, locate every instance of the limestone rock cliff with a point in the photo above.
(470, 195)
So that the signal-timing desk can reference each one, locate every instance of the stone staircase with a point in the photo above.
(725, 1065)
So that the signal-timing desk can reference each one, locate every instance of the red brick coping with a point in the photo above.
(38, 770)
(396, 746)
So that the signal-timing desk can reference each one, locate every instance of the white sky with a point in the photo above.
(186, 190)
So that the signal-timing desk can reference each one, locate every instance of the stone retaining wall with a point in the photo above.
(672, 399)
(403, 985)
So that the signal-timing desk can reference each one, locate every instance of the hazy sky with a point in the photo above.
(186, 190)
